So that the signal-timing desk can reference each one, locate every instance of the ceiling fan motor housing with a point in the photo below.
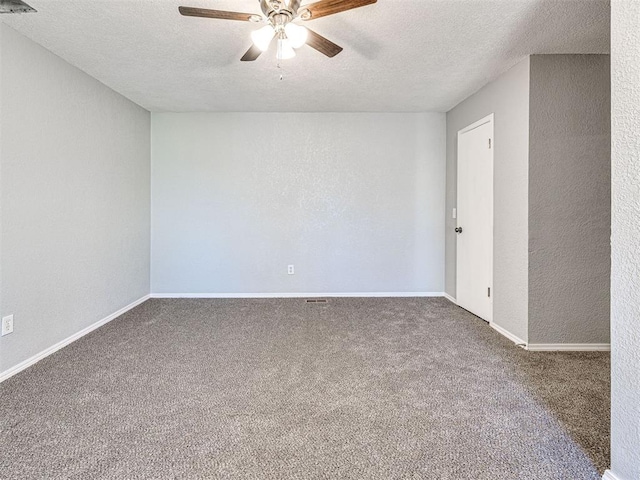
(279, 12)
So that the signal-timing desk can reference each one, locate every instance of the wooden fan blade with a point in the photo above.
(220, 14)
(329, 7)
(253, 53)
(323, 45)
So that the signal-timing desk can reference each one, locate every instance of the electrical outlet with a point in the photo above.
(7, 325)
(291, 270)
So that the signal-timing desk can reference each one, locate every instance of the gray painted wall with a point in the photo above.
(569, 199)
(1, 130)
(74, 181)
(354, 201)
(552, 197)
(508, 98)
(625, 267)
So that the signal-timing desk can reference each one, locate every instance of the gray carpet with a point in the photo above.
(356, 388)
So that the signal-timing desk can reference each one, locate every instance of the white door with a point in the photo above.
(474, 230)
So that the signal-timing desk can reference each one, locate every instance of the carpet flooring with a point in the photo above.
(352, 389)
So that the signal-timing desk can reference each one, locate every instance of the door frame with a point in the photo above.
(483, 121)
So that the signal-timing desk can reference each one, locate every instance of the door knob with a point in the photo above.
(459, 230)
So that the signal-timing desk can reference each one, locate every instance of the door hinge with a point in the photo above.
(489, 144)
(489, 292)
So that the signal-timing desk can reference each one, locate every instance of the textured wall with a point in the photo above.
(625, 265)
(508, 98)
(569, 199)
(75, 199)
(1, 129)
(354, 201)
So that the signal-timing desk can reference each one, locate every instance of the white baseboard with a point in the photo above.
(553, 347)
(569, 347)
(508, 334)
(450, 298)
(45, 353)
(608, 475)
(299, 295)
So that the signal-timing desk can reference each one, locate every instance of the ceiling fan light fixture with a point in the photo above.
(296, 34)
(285, 50)
(262, 38)
(278, 15)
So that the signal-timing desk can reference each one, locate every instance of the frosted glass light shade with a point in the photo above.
(285, 50)
(262, 38)
(296, 34)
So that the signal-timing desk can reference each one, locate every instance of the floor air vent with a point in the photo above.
(316, 300)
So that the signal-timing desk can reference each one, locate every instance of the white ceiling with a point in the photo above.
(399, 55)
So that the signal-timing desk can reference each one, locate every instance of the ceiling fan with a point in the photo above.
(279, 16)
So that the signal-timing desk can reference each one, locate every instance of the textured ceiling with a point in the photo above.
(400, 55)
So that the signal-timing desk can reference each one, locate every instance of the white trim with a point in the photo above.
(479, 123)
(450, 298)
(608, 475)
(508, 334)
(299, 295)
(569, 347)
(45, 353)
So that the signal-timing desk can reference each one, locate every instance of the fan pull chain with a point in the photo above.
(280, 68)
